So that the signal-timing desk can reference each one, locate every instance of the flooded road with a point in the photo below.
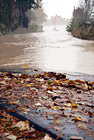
(48, 50)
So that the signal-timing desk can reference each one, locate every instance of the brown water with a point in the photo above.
(49, 50)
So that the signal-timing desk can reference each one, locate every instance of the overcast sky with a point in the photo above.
(63, 8)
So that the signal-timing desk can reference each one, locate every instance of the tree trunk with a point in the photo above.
(20, 18)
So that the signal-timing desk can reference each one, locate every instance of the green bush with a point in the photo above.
(70, 26)
(34, 27)
(2, 27)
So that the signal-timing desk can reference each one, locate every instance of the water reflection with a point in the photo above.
(57, 50)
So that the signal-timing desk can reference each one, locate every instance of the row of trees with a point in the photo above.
(13, 13)
(36, 16)
(83, 15)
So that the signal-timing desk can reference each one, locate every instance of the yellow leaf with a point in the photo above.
(51, 84)
(5, 72)
(27, 123)
(49, 88)
(28, 85)
(77, 119)
(74, 105)
(66, 80)
(58, 81)
(55, 107)
(54, 88)
(85, 86)
(83, 126)
(70, 100)
(26, 126)
(26, 66)
(56, 121)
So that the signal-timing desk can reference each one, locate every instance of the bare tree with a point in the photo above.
(88, 9)
(78, 15)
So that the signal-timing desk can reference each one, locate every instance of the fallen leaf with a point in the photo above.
(85, 86)
(55, 107)
(14, 103)
(58, 82)
(70, 100)
(47, 137)
(67, 104)
(26, 66)
(38, 104)
(28, 85)
(90, 113)
(76, 138)
(77, 119)
(83, 126)
(39, 79)
(8, 87)
(60, 76)
(56, 121)
(49, 88)
(74, 105)
(24, 76)
(6, 134)
(50, 82)
(11, 137)
(50, 92)
(22, 125)
(45, 97)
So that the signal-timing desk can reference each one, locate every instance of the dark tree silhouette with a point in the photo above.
(12, 13)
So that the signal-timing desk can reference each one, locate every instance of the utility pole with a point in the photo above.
(54, 23)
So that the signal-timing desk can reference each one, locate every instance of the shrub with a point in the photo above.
(34, 27)
(70, 26)
(2, 27)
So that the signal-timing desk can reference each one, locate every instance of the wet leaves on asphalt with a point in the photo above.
(50, 94)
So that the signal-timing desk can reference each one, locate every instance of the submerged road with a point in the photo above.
(49, 51)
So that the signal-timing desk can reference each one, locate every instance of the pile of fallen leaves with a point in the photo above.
(14, 129)
(68, 100)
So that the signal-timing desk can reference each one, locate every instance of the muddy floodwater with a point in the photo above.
(51, 50)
